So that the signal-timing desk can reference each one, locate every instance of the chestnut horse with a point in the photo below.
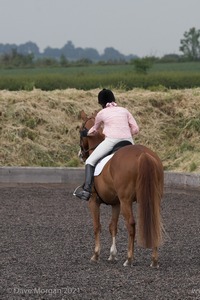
(134, 173)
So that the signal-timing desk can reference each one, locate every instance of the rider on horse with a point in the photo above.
(118, 125)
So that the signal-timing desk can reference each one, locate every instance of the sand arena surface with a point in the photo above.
(47, 241)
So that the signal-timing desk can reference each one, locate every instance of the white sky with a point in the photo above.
(141, 27)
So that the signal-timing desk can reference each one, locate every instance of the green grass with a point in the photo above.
(169, 75)
(191, 67)
(186, 67)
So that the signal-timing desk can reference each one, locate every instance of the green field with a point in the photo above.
(185, 67)
(169, 75)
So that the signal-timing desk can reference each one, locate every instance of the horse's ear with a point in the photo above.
(82, 115)
(95, 113)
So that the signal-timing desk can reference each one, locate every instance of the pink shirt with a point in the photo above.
(117, 123)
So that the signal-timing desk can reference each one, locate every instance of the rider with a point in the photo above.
(118, 125)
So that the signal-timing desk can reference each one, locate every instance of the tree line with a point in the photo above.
(29, 55)
(67, 53)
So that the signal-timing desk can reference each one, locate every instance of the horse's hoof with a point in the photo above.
(154, 265)
(94, 259)
(127, 263)
(112, 258)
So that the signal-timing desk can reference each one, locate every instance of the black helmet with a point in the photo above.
(105, 96)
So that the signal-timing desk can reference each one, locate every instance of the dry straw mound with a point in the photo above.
(39, 128)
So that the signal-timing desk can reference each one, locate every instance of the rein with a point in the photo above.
(82, 135)
(88, 150)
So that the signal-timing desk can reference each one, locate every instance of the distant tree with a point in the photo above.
(15, 59)
(190, 44)
(91, 54)
(110, 54)
(170, 58)
(142, 65)
(28, 48)
(78, 53)
(48, 62)
(83, 62)
(69, 51)
(53, 53)
(63, 61)
(7, 48)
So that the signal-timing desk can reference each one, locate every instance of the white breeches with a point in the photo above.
(103, 148)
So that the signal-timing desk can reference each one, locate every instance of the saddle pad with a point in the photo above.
(101, 164)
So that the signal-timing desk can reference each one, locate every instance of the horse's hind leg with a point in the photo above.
(126, 209)
(94, 206)
(154, 262)
(113, 231)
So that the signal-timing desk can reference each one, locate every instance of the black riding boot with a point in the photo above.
(87, 188)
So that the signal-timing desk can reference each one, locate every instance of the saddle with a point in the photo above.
(101, 163)
(120, 145)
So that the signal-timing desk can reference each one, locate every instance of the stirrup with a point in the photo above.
(83, 195)
(76, 189)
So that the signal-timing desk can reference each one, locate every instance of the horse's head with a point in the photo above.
(87, 143)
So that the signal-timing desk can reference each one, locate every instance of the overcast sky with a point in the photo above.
(141, 27)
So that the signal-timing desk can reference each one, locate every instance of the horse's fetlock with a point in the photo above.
(97, 230)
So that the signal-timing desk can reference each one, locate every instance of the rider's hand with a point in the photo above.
(84, 132)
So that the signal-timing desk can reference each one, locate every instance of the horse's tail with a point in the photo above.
(149, 190)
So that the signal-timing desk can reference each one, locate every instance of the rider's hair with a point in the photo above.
(105, 96)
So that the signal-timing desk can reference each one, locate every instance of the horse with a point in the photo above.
(133, 174)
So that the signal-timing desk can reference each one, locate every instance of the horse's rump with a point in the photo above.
(118, 177)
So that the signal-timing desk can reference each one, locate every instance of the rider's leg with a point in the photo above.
(87, 188)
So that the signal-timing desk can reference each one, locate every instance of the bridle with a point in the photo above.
(84, 151)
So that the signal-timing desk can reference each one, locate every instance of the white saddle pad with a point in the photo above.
(101, 164)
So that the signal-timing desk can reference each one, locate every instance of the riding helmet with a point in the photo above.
(105, 96)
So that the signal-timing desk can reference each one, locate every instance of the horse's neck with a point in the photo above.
(95, 140)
